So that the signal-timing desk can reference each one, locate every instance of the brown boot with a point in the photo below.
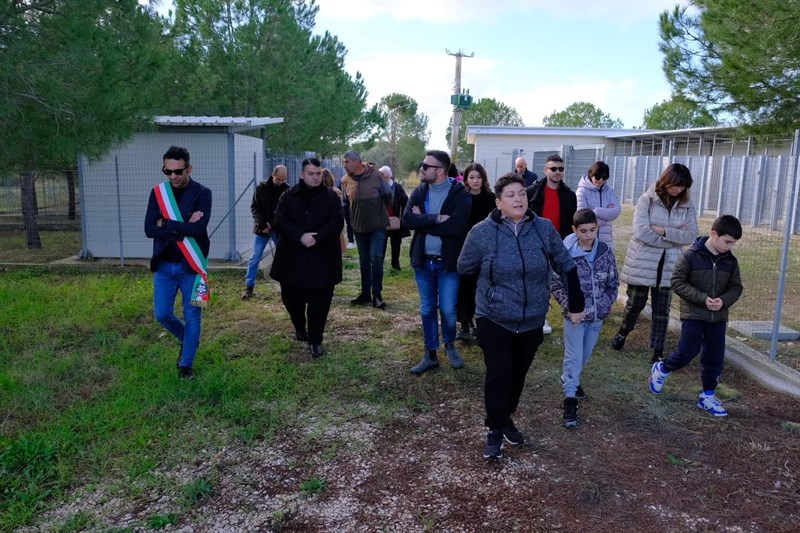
(248, 293)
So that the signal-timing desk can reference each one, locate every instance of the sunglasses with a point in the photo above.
(556, 169)
(177, 171)
(604, 178)
(426, 166)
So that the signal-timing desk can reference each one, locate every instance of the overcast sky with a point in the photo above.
(536, 56)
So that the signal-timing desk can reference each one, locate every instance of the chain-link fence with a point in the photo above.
(756, 188)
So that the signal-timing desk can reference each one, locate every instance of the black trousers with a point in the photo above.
(507, 356)
(314, 303)
(395, 239)
(465, 308)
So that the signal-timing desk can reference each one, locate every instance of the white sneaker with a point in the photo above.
(547, 329)
(709, 402)
(351, 245)
(657, 377)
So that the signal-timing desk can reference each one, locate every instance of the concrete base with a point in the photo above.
(763, 330)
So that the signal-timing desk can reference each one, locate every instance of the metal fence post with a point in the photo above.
(787, 237)
(119, 214)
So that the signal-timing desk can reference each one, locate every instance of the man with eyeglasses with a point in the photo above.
(177, 219)
(369, 196)
(521, 167)
(550, 198)
(265, 200)
(437, 212)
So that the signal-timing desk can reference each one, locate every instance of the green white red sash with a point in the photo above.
(188, 246)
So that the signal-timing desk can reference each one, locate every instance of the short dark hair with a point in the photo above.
(310, 161)
(553, 157)
(599, 170)
(452, 171)
(351, 155)
(442, 157)
(177, 153)
(728, 225)
(505, 180)
(584, 216)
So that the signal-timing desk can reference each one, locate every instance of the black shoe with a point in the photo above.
(494, 445)
(302, 336)
(512, 435)
(658, 355)
(316, 350)
(465, 334)
(396, 266)
(362, 299)
(618, 342)
(579, 394)
(570, 413)
(378, 303)
(248, 293)
(185, 373)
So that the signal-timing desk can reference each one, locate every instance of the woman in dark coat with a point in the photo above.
(396, 208)
(308, 260)
(477, 183)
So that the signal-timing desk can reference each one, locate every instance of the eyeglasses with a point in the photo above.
(604, 178)
(556, 169)
(177, 171)
(426, 166)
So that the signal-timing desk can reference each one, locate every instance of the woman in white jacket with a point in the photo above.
(596, 194)
(664, 222)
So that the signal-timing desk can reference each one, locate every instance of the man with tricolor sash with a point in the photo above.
(177, 219)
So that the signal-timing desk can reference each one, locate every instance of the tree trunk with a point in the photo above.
(70, 194)
(30, 210)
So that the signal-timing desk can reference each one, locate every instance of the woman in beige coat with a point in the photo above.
(664, 222)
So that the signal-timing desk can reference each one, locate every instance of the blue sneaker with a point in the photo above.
(709, 402)
(494, 445)
(657, 377)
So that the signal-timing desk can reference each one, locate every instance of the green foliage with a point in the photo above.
(160, 521)
(259, 57)
(484, 112)
(28, 476)
(76, 77)
(80, 521)
(198, 490)
(581, 115)
(313, 485)
(403, 136)
(741, 59)
(675, 114)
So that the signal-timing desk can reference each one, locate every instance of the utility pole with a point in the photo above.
(460, 102)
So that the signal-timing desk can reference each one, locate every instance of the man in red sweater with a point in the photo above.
(550, 198)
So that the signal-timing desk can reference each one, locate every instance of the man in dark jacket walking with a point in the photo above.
(265, 200)
(437, 213)
(550, 198)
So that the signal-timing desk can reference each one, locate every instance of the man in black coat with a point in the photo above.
(308, 260)
(265, 199)
(521, 167)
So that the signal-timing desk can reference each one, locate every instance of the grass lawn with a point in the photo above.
(97, 433)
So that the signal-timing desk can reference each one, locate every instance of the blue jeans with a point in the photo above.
(437, 289)
(259, 245)
(167, 280)
(579, 341)
(370, 258)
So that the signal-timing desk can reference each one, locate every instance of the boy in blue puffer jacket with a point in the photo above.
(597, 271)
